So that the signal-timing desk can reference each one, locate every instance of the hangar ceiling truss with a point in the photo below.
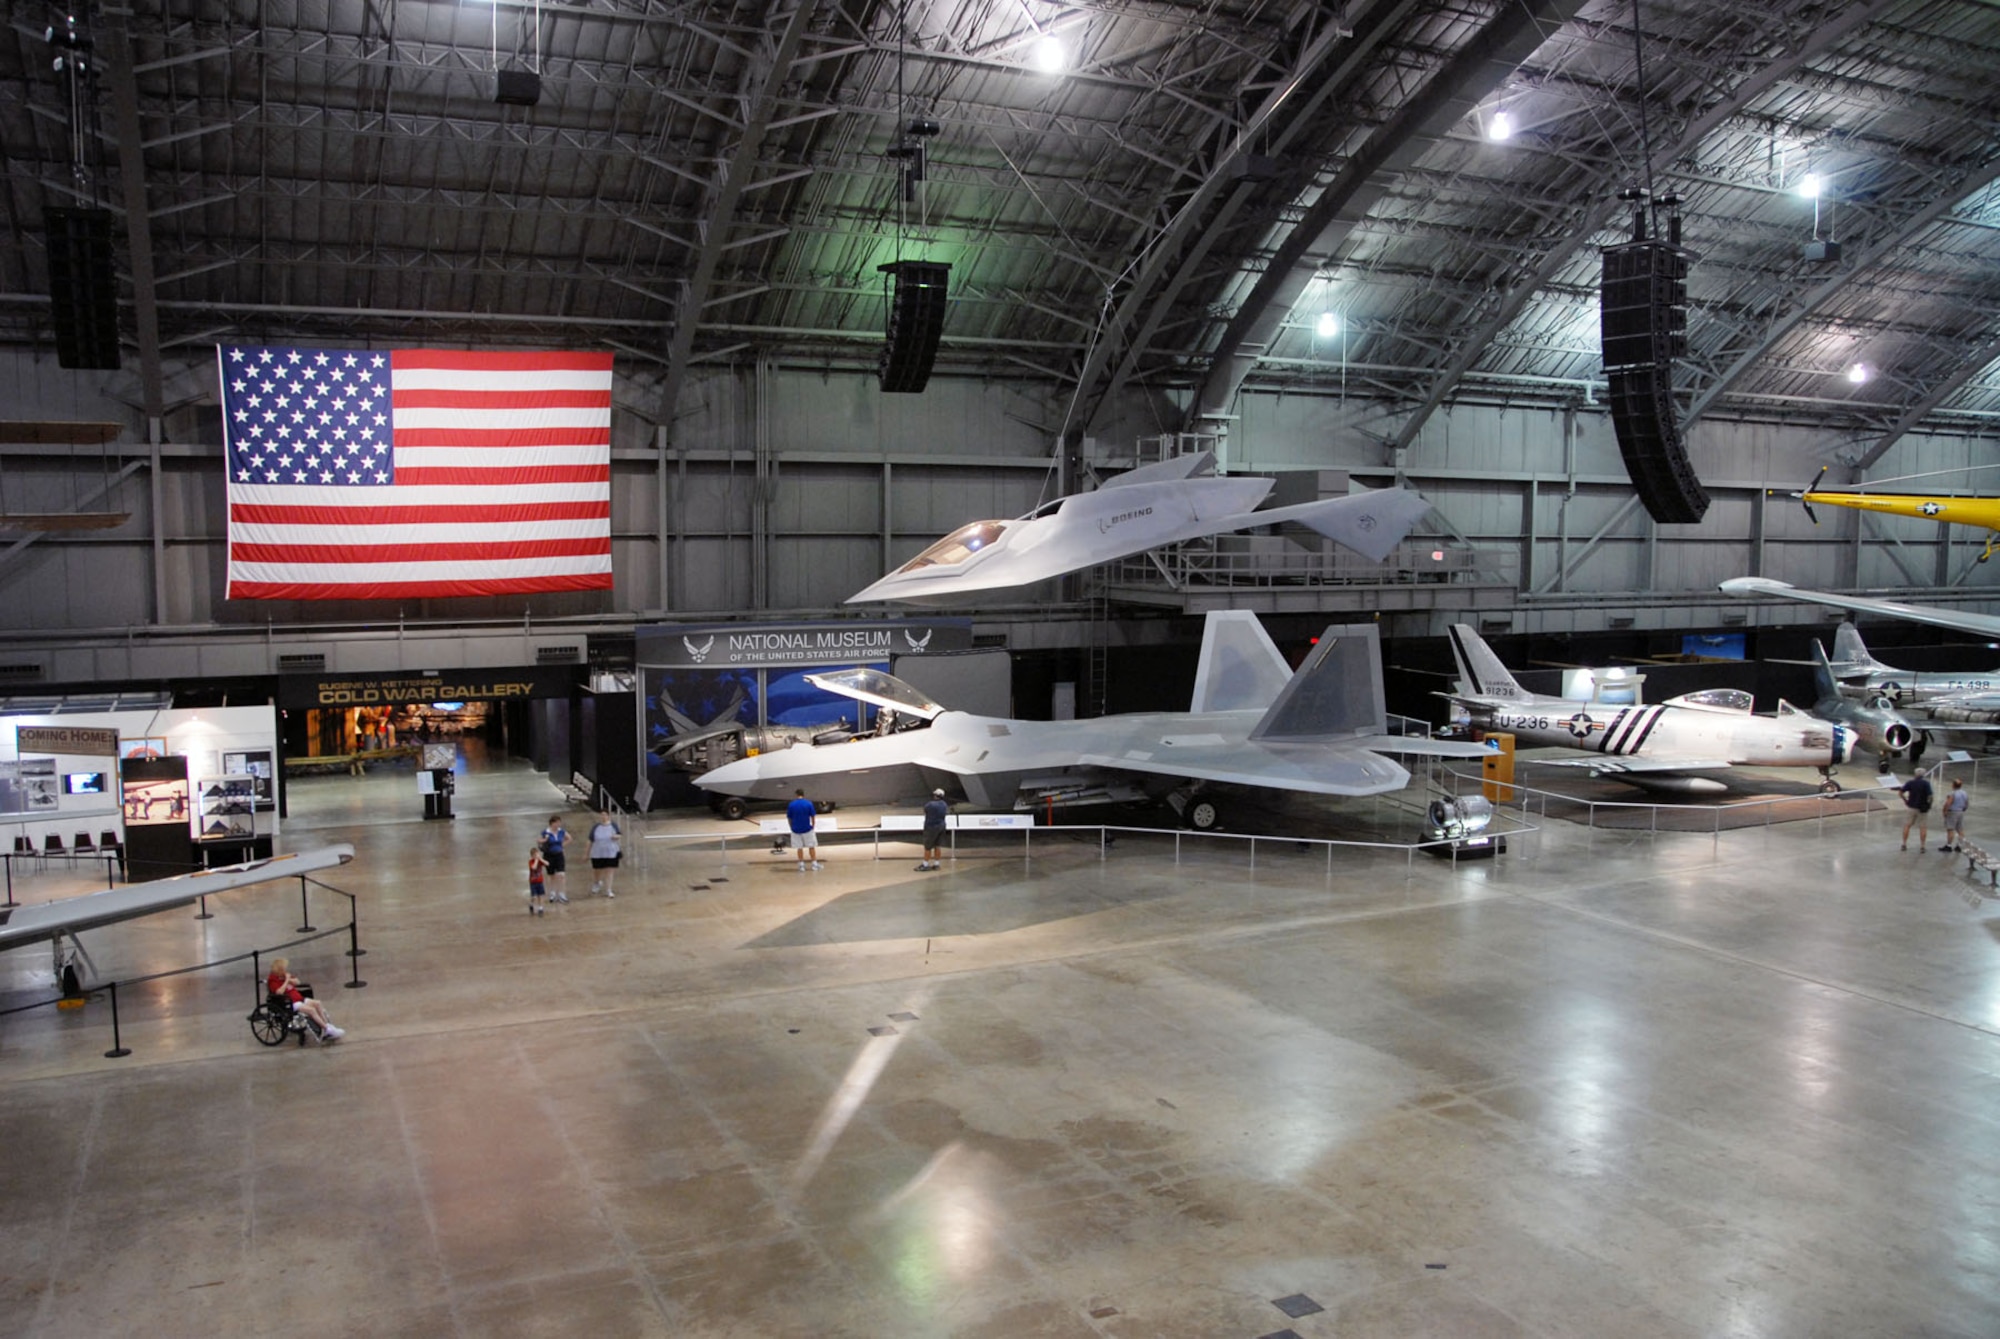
(1160, 224)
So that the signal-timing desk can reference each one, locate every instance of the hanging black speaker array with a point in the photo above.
(916, 320)
(1642, 309)
(83, 287)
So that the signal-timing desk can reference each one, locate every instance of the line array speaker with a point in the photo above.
(1642, 314)
(1642, 304)
(1649, 438)
(916, 320)
(83, 287)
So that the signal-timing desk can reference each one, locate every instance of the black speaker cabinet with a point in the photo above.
(916, 320)
(517, 88)
(1642, 304)
(1649, 438)
(83, 287)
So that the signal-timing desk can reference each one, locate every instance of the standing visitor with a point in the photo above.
(553, 838)
(605, 848)
(804, 818)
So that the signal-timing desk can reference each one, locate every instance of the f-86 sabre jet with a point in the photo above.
(1668, 746)
(59, 923)
(1162, 503)
(1252, 723)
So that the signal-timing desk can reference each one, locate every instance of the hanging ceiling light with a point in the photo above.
(1857, 374)
(1329, 325)
(1809, 186)
(1500, 126)
(1051, 57)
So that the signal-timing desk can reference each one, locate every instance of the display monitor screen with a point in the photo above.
(85, 783)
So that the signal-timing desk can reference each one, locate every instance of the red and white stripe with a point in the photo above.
(502, 486)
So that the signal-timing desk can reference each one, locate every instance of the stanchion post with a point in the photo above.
(204, 914)
(10, 878)
(118, 1049)
(354, 955)
(354, 949)
(305, 913)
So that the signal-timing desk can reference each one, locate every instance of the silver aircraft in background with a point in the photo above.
(1879, 728)
(1675, 745)
(1253, 723)
(1950, 698)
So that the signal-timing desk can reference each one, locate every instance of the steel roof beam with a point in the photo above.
(1480, 65)
(1973, 364)
(1818, 38)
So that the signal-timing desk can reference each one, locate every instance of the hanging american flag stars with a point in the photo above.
(305, 417)
(362, 474)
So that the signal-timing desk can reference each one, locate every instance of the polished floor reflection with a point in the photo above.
(1616, 1083)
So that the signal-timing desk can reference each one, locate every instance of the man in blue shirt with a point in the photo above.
(935, 814)
(1916, 793)
(805, 841)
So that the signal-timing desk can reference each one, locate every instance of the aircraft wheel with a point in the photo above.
(732, 807)
(1202, 815)
(72, 983)
(266, 1028)
(822, 806)
(1882, 766)
(1829, 787)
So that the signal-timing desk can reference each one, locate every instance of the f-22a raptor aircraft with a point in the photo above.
(1253, 723)
(1667, 746)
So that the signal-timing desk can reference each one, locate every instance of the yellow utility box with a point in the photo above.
(1498, 768)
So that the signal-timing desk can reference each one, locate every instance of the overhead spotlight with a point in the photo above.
(1809, 186)
(1857, 374)
(1051, 57)
(1500, 126)
(1329, 325)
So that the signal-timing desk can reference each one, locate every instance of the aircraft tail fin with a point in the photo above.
(1480, 673)
(1240, 667)
(1337, 691)
(1823, 681)
(1850, 653)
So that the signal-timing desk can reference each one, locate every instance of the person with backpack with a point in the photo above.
(1916, 793)
(551, 843)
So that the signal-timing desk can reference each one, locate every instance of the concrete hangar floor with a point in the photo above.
(1613, 1083)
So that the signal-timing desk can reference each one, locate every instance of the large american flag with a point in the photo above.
(359, 474)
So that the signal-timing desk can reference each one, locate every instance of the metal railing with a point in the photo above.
(307, 932)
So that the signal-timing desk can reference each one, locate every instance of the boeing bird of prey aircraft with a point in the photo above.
(1980, 511)
(1252, 723)
(59, 923)
(1666, 747)
(1162, 503)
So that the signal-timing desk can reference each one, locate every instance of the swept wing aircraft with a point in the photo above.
(1668, 746)
(1252, 723)
(59, 923)
(1879, 728)
(1980, 511)
(1750, 588)
(1162, 503)
(1951, 698)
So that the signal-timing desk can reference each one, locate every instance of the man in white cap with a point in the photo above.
(935, 813)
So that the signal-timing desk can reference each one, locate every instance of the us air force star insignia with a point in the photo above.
(1931, 508)
(1581, 725)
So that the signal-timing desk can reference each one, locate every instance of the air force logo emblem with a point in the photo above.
(916, 643)
(699, 653)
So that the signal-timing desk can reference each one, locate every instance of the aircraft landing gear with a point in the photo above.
(1827, 785)
(1195, 810)
(731, 807)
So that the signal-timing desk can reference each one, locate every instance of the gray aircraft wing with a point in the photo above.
(1637, 766)
(55, 920)
(1985, 625)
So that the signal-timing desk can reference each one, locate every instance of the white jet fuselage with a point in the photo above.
(1000, 763)
(1665, 732)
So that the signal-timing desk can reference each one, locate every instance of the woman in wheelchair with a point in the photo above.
(284, 985)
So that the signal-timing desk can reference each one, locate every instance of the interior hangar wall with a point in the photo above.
(787, 489)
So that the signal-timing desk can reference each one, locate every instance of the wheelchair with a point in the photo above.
(277, 1019)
